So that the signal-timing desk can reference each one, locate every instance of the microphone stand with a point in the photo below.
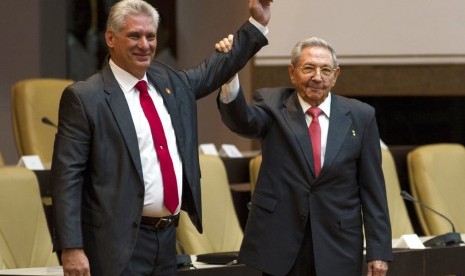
(47, 121)
(447, 239)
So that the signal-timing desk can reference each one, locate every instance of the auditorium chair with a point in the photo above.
(437, 179)
(398, 214)
(24, 235)
(33, 101)
(221, 229)
(254, 168)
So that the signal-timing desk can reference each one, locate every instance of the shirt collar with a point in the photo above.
(325, 106)
(125, 79)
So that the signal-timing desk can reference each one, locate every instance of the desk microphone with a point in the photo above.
(47, 121)
(452, 238)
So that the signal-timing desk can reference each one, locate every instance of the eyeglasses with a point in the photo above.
(325, 71)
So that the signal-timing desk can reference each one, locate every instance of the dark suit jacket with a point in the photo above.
(287, 193)
(98, 188)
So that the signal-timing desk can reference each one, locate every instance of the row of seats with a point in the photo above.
(25, 239)
(36, 99)
(436, 176)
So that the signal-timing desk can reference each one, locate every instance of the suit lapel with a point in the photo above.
(339, 124)
(122, 115)
(295, 118)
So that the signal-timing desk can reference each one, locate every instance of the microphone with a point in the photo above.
(451, 238)
(47, 121)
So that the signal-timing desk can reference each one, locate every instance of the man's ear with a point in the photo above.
(291, 70)
(336, 74)
(109, 38)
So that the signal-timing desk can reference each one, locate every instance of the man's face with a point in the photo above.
(133, 48)
(314, 75)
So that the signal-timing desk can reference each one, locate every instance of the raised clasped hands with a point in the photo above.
(260, 10)
(225, 44)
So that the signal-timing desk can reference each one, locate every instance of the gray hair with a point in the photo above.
(311, 42)
(119, 11)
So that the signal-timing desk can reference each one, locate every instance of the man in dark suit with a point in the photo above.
(114, 214)
(320, 183)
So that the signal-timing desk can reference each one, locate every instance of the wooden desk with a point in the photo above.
(407, 262)
(236, 270)
(427, 262)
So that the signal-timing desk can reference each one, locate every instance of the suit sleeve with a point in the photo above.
(71, 148)
(373, 195)
(250, 121)
(218, 68)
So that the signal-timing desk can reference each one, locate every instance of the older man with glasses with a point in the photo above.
(320, 185)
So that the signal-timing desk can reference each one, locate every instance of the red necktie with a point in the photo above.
(315, 134)
(170, 186)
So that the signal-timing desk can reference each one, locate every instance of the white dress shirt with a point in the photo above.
(153, 200)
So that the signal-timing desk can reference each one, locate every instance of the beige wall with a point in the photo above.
(372, 32)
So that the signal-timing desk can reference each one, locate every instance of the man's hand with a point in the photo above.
(377, 268)
(75, 262)
(225, 44)
(260, 10)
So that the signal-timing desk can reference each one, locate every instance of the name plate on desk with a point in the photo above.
(208, 149)
(230, 150)
(411, 241)
(31, 162)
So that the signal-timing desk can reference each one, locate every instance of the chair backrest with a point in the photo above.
(24, 235)
(398, 214)
(221, 228)
(32, 100)
(254, 168)
(437, 178)
(2, 163)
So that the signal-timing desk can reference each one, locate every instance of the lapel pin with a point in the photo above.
(168, 91)
(353, 133)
